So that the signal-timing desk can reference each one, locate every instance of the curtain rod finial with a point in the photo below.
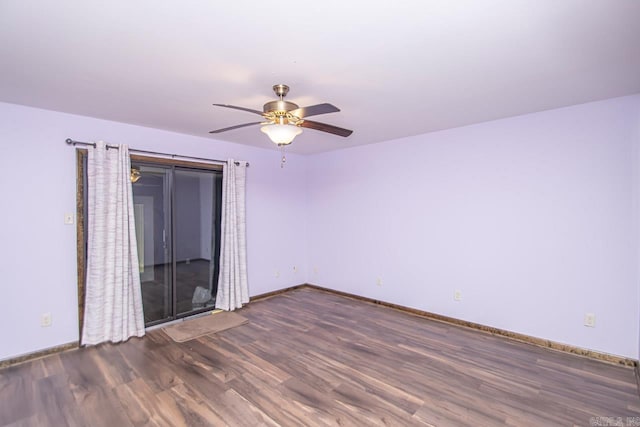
(68, 141)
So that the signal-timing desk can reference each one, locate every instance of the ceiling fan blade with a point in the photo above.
(234, 127)
(326, 128)
(235, 107)
(314, 110)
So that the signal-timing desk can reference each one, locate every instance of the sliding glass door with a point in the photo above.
(197, 231)
(177, 214)
(152, 211)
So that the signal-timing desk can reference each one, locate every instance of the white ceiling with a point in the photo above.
(395, 69)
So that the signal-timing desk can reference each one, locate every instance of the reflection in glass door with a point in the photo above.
(152, 208)
(177, 214)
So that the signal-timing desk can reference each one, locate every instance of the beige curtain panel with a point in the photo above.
(113, 301)
(233, 289)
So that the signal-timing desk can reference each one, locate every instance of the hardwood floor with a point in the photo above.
(313, 358)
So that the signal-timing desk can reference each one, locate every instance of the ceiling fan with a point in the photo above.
(284, 119)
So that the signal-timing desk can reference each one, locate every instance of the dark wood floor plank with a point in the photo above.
(321, 407)
(16, 394)
(52, 396)
(194, 409)
(236, 410)
(252, 389)
(139, 403)
(313, 358)
(374, 383)
(252, 364)
(152, 364)
(375, 408)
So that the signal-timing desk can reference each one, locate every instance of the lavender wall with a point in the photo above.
(531, 218)
(534, 219)
(38, 251)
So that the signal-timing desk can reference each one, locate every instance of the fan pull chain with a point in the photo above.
(283, 160)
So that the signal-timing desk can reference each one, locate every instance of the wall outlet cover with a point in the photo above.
(45, 320)
(590, 320)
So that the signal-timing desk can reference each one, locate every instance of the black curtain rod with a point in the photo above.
(74, 143)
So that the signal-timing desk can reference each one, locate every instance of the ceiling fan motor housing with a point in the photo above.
(279, 109)
(279, 105)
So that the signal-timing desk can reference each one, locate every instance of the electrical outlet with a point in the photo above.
(590, 320)
(379, 281)
(457, 295)
(68, 218)
(45, 320)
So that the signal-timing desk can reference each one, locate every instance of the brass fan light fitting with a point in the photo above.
(135, 175)
(282, 126)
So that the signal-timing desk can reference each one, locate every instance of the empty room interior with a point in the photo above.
(339, 213)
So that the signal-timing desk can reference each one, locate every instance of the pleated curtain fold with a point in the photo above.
(233, 290)
(113, 296)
